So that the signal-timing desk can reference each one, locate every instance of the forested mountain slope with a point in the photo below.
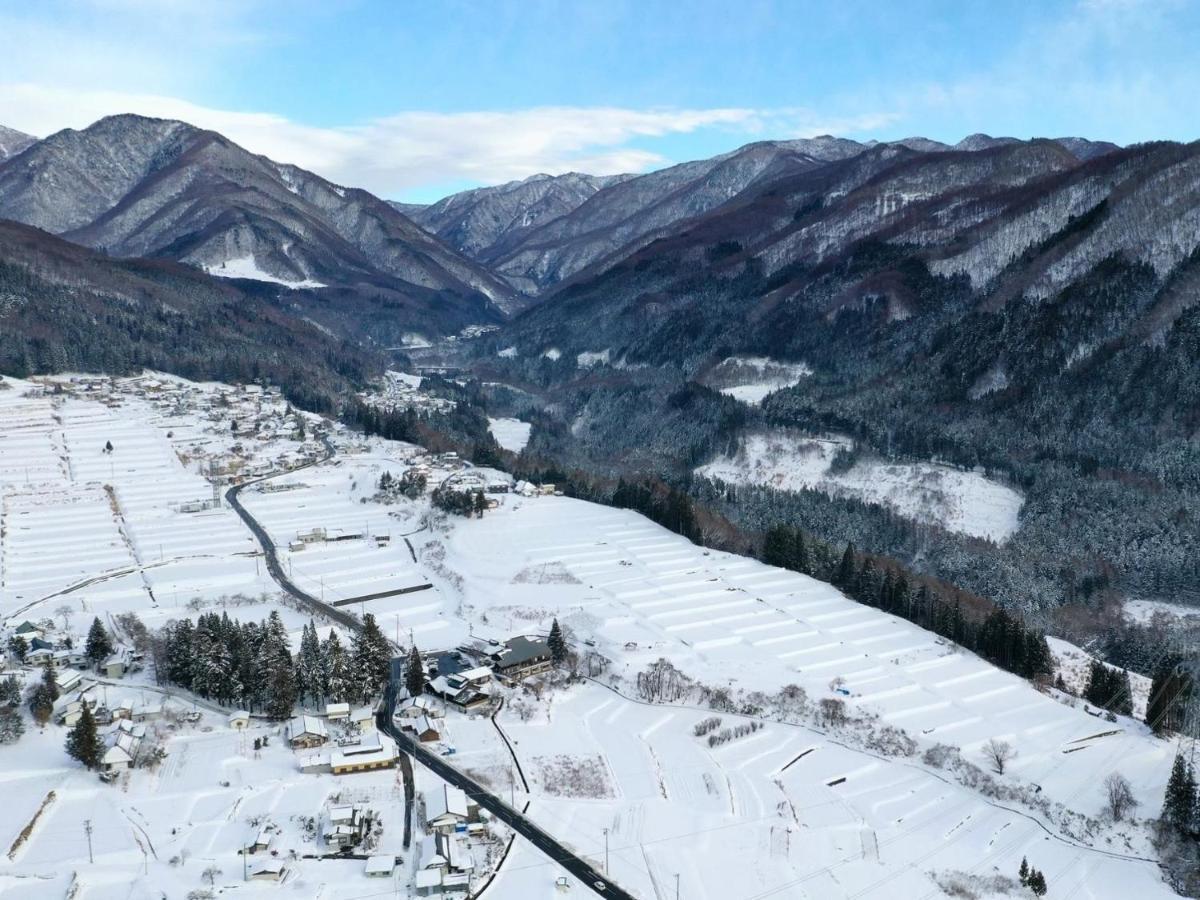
(67, 308)
(1014, 307)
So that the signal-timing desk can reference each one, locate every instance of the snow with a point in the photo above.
(511, 434)
(1144, 611)
(247, 267)
(508, 353)
(592, 358)
(751, 378)
(960, 501)
(794, 809)
(553, 354)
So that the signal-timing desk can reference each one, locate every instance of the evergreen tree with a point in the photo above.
(777, 547)
(83, 743)
(866, 588)
(1170, 691)
(558, 644)
(1179, 801)
(99, 646)
(309, 674)
(480, 504)
(1037, 883)
(277, 671)
(12, 726)
(844, 576)
(372, 659)
(336, 663)
(1023, 872)
(42, 697)
(414, 673)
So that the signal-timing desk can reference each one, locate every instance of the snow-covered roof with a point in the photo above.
(304, 725)
(116, 756)
(384, 752)
(380, 865)
(449, 801)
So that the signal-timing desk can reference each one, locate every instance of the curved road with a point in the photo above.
(577, 866)
(587, 874)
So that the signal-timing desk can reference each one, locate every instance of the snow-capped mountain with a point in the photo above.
(143, 187)
(13, 142)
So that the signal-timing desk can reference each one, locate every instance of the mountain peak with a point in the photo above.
(13, 142)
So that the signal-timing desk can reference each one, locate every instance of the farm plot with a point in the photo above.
(731, 621)
(817, 819)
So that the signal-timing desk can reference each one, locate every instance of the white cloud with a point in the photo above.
(395, 153)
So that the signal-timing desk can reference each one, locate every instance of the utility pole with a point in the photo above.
(605, 851)
(87, 829)
(676, 886)
(245, 866)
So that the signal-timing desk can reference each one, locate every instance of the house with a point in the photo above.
(416, 708)
(69, 714)
(521, 656)
(116, 759)
(314, 762)
(119, 663)
(378, 751)
(29, 632)
(306, 732)
(263, 840)
(380, 866)
(239, 719)
(266, 870)
(458, 690)
(449, 809)
(423, 729)
(66, 680)
(363, 719)
(40, 653)
(337, 711)
(345, 828)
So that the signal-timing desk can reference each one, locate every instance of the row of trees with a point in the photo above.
(1109, 689)
(250, 664)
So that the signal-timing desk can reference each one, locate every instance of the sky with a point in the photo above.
(416, 99)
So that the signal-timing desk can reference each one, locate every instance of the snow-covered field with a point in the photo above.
(796, 808)
(958, 500)
(511, 434)
(247, 267)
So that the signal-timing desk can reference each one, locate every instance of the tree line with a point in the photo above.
(250, 664)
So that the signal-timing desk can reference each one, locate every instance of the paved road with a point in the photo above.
(272, 557)
(584, 871)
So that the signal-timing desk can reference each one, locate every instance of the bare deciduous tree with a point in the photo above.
(998, 753)
(1120, 796)
(65, 612)
(833, 711)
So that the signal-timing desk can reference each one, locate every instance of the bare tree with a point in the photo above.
(211, 874)
(65, 612)
(833, 711)
(1120, 796)
(998, 753)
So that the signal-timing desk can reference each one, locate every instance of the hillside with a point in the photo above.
(143, 187)
(1012, 307)
(66, 308)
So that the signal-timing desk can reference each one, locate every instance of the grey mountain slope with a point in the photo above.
(473, 221)
(13, 142)
(146, 187)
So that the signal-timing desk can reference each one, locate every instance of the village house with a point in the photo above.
(423, 728)
(521, 656)
(449, 809)
(363, 719)
(335, 712)
(116, 759)
(265, 870)
(378, 751)
(306, 732)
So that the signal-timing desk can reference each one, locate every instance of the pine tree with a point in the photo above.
(336, 666)
(10, 692)
(277, 669)
(1179, 801)
(558, 644)
(12, 726)
(1037, 883)
(777, 547)
(99, 646)
(309, 675)
(844, 576)
(50, 682)
(83, 743)
(372, 659)
(1023, 872)
(41, 704)
(480, 504)
(414, 673)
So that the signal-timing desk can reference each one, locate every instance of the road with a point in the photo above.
(583, 870)
(272, 557)
(577, 866)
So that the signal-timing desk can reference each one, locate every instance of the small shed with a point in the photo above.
(306, 732)
(266, 870)
(337, 711)
(239, 719)
(380, 866)
(116, 759)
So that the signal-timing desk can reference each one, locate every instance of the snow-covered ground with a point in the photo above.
(511, 434)
(247, 267)
(794, 808)
(750, 378)
(958, 500)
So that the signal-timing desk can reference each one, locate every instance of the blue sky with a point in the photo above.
(416, 99)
